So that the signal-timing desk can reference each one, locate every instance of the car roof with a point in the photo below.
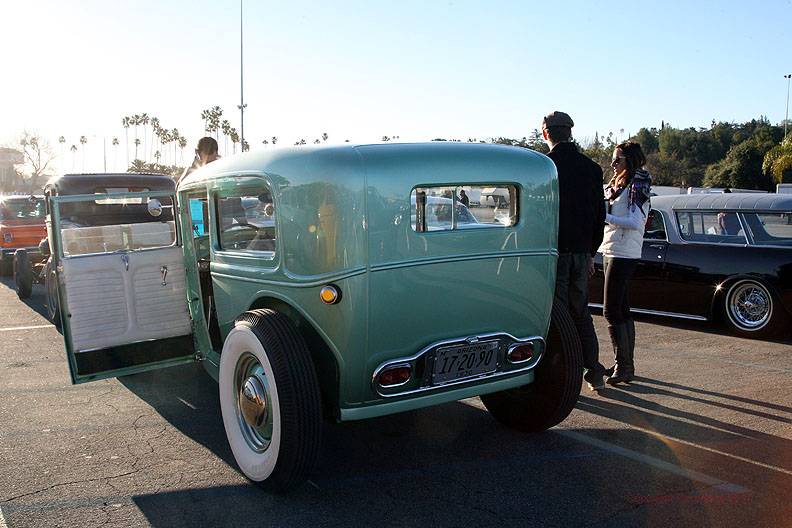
(725, 201)
(20, 197)
(291, 159)
(90, 183)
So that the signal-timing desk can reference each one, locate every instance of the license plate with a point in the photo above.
(458, 362)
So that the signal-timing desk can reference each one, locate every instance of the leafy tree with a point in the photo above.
(741, 168)
(37, 154)
(778, 161)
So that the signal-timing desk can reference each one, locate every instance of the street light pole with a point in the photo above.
(242, 104)
(788, 77)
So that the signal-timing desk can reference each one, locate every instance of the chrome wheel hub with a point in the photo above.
(750, 306)
(254, 402)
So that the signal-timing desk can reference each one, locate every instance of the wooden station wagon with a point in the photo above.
(340, 283)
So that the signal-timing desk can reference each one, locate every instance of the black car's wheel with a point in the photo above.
(51, 287)
(751, 309)
(23, 274)
(269, 398)
(557, 379)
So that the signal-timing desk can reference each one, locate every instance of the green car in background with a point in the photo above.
(334, 283)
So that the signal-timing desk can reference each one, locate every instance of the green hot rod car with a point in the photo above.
(342, 282)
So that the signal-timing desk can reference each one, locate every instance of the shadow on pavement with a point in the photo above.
(453, 465)
(35, 302)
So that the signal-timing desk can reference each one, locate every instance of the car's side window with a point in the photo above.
(445, 208)
(715, 227)
(770, 229)
(655, 226)
(246, 219)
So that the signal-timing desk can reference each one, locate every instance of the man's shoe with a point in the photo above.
(594, 380)
(625, 377)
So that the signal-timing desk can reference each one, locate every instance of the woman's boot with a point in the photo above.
(630, 325)
(621, 346)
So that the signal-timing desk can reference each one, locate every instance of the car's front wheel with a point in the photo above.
(751, 309)
(270, 402)
(23, 274)
(51, 287)
(557, 379)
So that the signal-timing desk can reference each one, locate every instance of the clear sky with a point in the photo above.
(359, 70)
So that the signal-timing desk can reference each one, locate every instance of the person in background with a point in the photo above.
(627, 195)
(581, 217)
(205, 152)
(463, 197)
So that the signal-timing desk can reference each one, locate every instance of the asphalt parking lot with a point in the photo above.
(702, 438)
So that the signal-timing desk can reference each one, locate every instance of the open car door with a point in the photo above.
(121, 283)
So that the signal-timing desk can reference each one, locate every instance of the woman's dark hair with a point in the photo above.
(634, 156)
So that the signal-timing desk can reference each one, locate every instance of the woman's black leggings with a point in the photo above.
(618, 272)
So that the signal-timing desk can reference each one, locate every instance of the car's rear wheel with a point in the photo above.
(269, 398)
(51, 287)
(752, 310)
(557, 379)
(23, 274)
(6, 267)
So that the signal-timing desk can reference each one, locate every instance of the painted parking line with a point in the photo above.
(2, 520)
(668, 467)
(18, 328)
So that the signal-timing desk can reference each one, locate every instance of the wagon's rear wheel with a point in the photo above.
(269, 398)
(51, 287)
(23, 274)
(752, 309)
(557, 379)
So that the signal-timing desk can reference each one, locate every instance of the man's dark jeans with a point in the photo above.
(572, 291)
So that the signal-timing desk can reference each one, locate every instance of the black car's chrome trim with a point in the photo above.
(658, 312)
(470, 339)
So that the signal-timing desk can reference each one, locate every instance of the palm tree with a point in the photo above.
(324, 136)
(155, 128)
(265, 142)
(175, 140)
(234, 138)
(137, 144)
(61, 140)
(115, 153)
(274, 139)
(157, 156)
(136, 121)
(316, 141)
(125, 122)
(205, 115)
(182, 144)
(225, 126)
(73, 151)
(144, 120)
(83, 141)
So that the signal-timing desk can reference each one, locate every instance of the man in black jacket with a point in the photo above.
(581, 218)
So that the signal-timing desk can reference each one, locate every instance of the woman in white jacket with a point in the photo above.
(627, 196)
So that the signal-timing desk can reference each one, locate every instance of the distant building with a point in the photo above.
(10, 180)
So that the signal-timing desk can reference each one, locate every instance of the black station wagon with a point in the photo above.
(716, 256)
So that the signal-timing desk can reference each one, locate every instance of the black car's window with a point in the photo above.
(463, 207)
(770, 229)
(247, 220)
(714, 227)
(655, 226)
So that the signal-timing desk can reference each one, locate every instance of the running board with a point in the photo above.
(656, 312)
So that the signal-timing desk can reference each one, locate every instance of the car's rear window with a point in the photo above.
(22, 209)
(770, 229)
(714, 227)
(445, 208)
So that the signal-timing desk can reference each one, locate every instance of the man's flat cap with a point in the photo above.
(557, 119)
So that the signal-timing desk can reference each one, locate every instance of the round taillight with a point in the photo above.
(394, 376)
(520, 353)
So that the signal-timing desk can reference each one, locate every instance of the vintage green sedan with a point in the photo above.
(332, 283)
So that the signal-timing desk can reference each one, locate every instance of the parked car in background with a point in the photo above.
(87, 222)
(21, 226)
(319, 282)
(716, 256)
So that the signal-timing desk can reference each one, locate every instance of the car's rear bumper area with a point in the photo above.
(395, 406)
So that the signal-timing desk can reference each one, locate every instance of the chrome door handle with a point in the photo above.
(125, 260)
(164, 272)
